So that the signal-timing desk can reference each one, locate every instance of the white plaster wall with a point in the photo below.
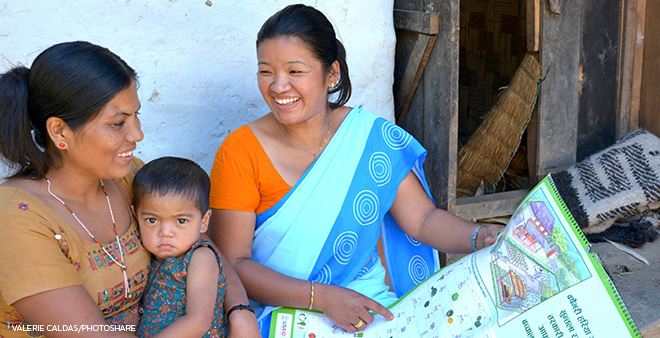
(196, 60)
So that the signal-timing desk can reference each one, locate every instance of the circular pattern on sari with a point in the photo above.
(345, 246)
(395, 137)
(418, 269)
(380, 168)
(324, 276)
(412, 241)
(365, 207)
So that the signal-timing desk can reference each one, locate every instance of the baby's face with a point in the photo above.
(170, 224)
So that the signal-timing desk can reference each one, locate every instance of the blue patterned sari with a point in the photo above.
(327, 227)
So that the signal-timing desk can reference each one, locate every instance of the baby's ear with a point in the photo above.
(205, 222)
(133, 210)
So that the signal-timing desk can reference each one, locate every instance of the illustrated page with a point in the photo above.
(537, 280)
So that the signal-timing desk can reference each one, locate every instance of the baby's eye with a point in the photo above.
(181, 221)
(151, 220)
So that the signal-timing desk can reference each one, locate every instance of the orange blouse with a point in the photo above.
(243, 178)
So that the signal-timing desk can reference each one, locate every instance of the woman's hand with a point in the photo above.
(346, 307)
(488, 234)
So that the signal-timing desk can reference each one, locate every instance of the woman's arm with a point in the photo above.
(233, 231)
(242, 323)
(67, 307)
(437, 228)
(201, 294)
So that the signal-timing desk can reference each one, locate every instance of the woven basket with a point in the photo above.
(487, 154)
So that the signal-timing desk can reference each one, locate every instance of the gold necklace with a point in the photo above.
(325, 140)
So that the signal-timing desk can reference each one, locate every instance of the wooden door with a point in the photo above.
(426, 86)
(649, 117)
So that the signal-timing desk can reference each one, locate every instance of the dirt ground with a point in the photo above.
(637, 283)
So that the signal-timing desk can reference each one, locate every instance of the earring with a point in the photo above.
(332, 85)
(61, 145)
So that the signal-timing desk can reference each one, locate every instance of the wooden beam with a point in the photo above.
(439, 94)
(633, 31)
(600, 48)
(639, 67)
(420, 22)
(413, 74)
(436, 100)
(533, 25)
(491, 205)
(553, 129)
(626, 61)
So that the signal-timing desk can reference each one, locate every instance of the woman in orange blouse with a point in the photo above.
(300, 194)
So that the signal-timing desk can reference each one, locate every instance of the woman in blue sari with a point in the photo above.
(302, 195)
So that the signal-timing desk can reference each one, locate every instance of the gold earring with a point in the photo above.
(61, 145)
(332, 85)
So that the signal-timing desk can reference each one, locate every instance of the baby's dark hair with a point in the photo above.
(173, 176)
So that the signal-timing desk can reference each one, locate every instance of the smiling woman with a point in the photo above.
(69, 239)
(104, 146)
(299, 195)
(70, 255)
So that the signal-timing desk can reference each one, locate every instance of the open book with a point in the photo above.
(538, 280)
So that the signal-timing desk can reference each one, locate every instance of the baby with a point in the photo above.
(186, 288)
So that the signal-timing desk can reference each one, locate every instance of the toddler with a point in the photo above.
(186, 288)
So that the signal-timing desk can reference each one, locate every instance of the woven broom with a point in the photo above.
(487, 154)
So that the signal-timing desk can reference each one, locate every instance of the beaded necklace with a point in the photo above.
(122, 265)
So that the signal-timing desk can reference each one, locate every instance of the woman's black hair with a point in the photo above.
(311, 26)
(173, 176)
(72, 81)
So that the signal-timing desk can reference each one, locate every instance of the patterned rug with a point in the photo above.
(615, 193)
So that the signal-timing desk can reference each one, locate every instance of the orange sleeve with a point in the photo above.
(234, 183)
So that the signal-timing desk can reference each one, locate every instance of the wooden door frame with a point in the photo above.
(551, 147)
(633, 29)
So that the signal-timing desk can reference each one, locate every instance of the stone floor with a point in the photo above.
(637, 283)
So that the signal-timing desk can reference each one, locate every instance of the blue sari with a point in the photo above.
(327, 226)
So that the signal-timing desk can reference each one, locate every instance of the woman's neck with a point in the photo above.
(73, 186)
(313, 126)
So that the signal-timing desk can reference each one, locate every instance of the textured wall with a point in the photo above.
(196, 59)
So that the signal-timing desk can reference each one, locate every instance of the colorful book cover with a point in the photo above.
(538, 280)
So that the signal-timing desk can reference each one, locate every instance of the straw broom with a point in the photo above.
(487, 154)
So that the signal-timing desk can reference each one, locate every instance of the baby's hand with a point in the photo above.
(243, 324)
